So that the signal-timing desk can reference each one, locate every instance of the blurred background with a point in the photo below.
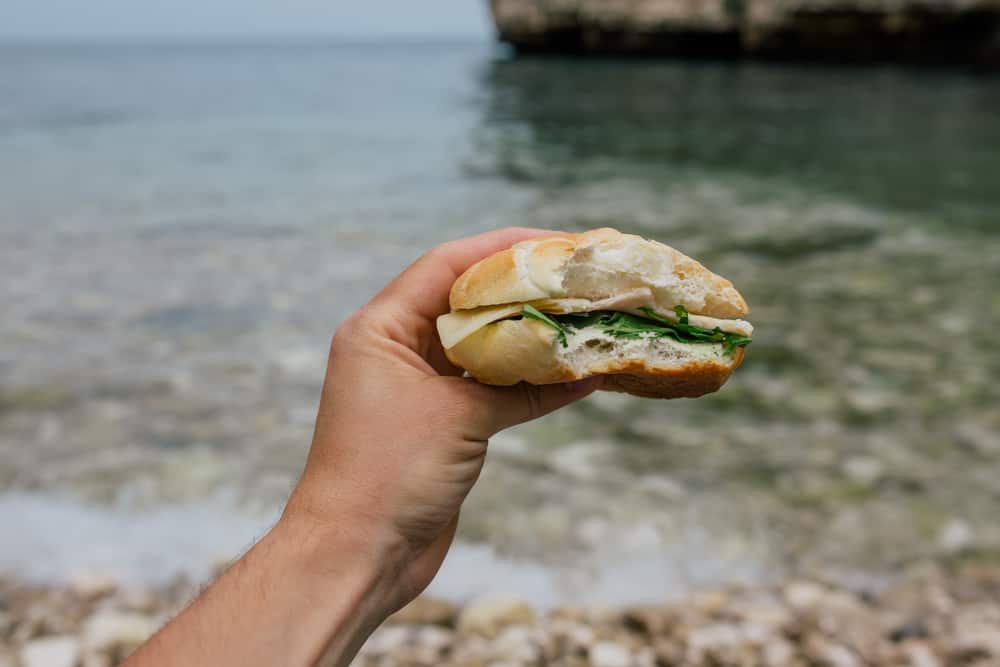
(193, 196)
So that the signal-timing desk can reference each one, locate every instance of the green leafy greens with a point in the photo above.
(535, 314)
(625, 325)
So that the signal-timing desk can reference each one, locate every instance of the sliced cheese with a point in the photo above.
(456, 326)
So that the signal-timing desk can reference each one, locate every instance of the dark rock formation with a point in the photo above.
(965, 31)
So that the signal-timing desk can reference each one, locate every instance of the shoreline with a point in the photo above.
(929, 617)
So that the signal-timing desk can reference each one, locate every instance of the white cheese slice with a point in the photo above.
(456, 326)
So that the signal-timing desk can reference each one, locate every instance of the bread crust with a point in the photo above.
(584, 265)
(512, 351)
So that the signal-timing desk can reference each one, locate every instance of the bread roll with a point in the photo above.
(600, 270)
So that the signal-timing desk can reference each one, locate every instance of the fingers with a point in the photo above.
(424, 286)
(497, 408)
(405, 310)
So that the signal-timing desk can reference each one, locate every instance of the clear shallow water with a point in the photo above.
(182, 227)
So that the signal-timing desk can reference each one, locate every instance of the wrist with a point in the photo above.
(344, 578)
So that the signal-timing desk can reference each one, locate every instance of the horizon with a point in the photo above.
(249, 39)
(193, 20)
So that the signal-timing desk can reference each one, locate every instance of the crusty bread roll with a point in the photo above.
(600, 270)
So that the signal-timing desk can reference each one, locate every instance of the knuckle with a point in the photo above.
(348, 330)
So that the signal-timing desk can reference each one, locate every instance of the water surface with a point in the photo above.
(183, 226)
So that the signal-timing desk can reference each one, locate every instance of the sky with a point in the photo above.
(96, 19)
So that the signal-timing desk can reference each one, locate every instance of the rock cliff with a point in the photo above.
(901, 30)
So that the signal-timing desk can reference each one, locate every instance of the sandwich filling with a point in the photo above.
(629, 315)
(618, 324)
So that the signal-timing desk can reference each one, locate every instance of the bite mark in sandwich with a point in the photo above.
(651, 320)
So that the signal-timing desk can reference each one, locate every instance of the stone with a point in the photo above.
(863, 470)
(919, 654)
(435, 637)
(716, 643)
(61, 651)
(649, 620)
(804, 594)
(955, 535)
(96, 659)
(777, 652)
(93, 586)
(473, 651)
(764, 611)
(116, 631)
(141, 600)
(427, 610)
(610, 654)
(387, 639)
(668, 651)
(822, 651)
(710, 603)
(518, 643)
(488, 615)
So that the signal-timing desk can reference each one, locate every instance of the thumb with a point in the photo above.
(498, 408)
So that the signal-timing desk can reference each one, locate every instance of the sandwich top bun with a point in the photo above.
(595, 265)
(599, 271)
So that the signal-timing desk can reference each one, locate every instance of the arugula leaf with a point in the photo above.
(625, 325)
(535, 314)
(734, 341)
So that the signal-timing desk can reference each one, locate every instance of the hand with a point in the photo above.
(401, 436)
(400, 439)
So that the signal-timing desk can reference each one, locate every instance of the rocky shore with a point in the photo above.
(927, 618)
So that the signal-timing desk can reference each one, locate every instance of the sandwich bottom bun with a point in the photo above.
(524, 350)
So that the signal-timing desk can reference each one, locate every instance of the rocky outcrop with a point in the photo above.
(903, 30)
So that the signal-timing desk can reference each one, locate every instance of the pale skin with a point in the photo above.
(400, 439)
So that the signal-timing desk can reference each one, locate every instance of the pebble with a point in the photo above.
(609, 654)
(117, 631)
(804, 594)
(388, 638)
(488, 615)
(864, 470)
(51, 652)
(517, 642)
(919, 654)
(92, 586)
(427, 610)
(930, 617)
(955, 535)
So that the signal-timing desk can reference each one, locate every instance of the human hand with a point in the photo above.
(400, 439)
(401, 436)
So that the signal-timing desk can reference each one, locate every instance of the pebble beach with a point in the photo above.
(928, 617)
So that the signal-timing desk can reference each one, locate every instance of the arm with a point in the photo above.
(400, 439)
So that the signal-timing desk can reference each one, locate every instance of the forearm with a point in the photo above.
(301, 593)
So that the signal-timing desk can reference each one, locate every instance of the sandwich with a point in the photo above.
(650, 320)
